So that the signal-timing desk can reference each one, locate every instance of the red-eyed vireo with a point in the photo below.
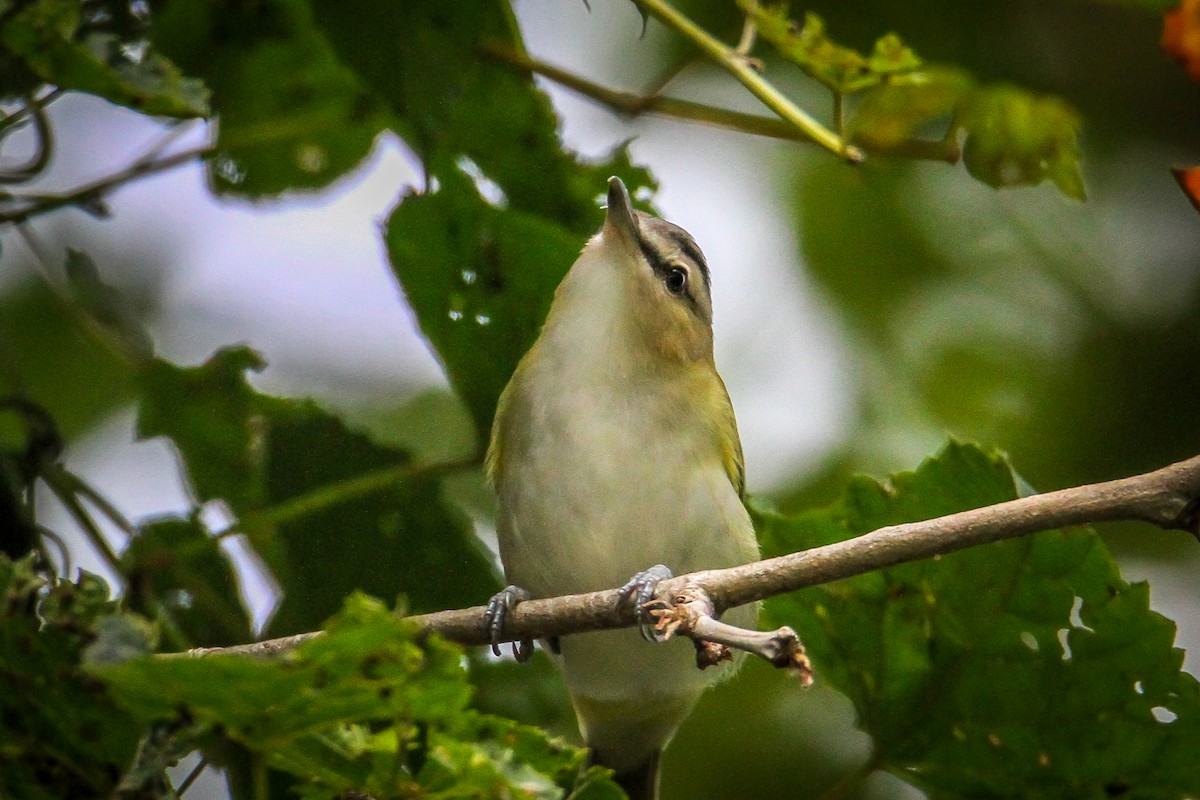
(615, 450)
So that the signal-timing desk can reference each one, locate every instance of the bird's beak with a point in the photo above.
(620, 223)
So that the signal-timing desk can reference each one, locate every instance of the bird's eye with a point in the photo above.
(676, 280)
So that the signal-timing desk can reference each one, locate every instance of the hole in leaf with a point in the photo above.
(1076, 620)
(488, 189)
(1164, 715)
(1066, 646)
(216, 516)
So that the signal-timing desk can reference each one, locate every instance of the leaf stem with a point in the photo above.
(845, 786)
(66, 496)
(259, 777)
(192, 776)
(79, 486)
(737, 66)
(37, 205)
(44, 144)
(332, 494)
(42, 269)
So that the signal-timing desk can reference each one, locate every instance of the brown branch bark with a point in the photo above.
(1168, 497)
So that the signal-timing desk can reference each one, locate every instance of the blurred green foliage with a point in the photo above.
(63, 734)
(95, 47)
(301, 482)
(1065, 333)
(311, 715)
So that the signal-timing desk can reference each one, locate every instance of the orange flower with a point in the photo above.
(1181, 36)
(1189, 181)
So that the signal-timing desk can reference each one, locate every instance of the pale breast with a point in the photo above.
(603, 484)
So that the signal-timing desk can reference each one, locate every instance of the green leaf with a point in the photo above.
(62, 734)
(1016, 138)
(891, 56)
(291, 116)
(1013, 137)
(597, 784)
(55, 364)
(455, 106)
(480, 279)
(175, 567)
(842, 69)
(107, 305)
(479, 274)
(897, 111)
(532, 692)
(861, 243)
(371, 706)
(403, 537)
(328, 509)
(1023, 668)
(211, 415)
(368, 665)
(56, 43)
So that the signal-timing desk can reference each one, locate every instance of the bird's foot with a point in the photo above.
(640, 589)
(495, 617)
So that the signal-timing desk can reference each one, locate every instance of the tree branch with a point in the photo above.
(635, 105)
(30, 206)
(946, 150)
(1168, 497)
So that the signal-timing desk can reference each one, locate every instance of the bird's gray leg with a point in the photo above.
(640, 589)
(496, 616)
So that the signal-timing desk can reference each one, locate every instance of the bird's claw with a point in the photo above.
(641, 589)
(495, 616)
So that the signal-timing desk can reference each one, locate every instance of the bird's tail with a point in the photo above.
(641, 782)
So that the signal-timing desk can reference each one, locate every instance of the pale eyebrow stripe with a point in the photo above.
(689, 248)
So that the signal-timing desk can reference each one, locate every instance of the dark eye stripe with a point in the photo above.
(662, 268)
(658, 263)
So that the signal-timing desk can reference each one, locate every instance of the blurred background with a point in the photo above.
(863, 314)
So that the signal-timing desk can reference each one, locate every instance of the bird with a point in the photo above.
(615, 453)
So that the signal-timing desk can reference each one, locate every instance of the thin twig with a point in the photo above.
(81, 487)
(637, 104)
(745, 44)
(692, 613)
(43, 146)
(737, 66)
(634, 105)
(343, 491)
(192, 776)
(18, 116)
(64, 552)
(43, 204)
(1168, 497)
(43, 268)
(89, 527)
